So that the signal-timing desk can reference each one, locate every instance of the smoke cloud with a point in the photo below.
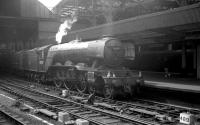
(65, 27)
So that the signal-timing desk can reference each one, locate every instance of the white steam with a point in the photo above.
(65, 27)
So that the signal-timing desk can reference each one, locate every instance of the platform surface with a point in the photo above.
(178, 84)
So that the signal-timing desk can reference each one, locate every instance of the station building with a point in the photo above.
(24, 22)
(168, 39)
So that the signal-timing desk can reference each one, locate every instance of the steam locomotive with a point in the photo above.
(90, 66)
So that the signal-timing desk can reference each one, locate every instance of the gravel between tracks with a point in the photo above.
(7, 101)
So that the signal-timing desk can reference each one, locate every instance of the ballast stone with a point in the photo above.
(63, 117)
(82, 122)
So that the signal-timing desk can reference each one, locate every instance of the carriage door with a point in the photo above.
(41, 60)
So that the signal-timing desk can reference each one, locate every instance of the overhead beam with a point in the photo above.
(183, 17)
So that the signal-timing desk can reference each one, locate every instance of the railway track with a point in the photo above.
(161, 108)
(77, 110)
(142, 111)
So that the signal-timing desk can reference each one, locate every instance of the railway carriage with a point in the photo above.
(90, 66)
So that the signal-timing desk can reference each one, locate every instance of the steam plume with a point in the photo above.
(65, 27)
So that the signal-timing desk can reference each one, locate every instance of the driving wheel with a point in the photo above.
(58, 83)
(81, 86)
(108, 91)
(91, 89)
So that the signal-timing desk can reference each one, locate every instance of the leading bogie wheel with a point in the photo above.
(81, 86)
(91, 89)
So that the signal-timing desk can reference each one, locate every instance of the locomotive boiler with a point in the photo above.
(107, 51)
(89, 66)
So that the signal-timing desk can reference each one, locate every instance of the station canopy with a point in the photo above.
(140, 20)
